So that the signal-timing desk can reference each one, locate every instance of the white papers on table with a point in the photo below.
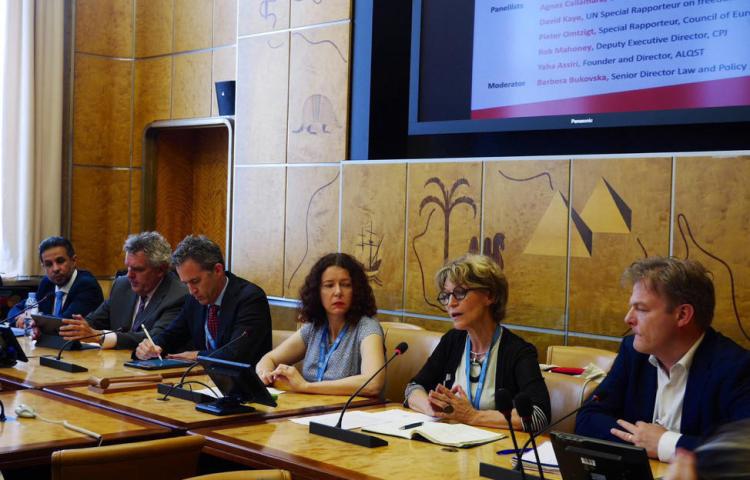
(358, 418)
(213, 392)
(546, 457)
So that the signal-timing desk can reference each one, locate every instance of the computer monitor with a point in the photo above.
(584, 458)
(10, 349)
(239, 384)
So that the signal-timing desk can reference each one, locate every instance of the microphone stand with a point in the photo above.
(348, 436)
(58, 364)
(176, 389)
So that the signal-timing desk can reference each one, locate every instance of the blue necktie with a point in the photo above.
(58, 303)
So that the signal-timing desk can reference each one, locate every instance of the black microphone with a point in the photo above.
(592, 399)
(525, 410)
(356, 438)
(168, 390)
(504, 403)
(57, 363)
(28, 307)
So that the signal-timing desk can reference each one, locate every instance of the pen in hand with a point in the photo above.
(411, 425)
(148, 335)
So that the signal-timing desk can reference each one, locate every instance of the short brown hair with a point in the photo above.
(477, 271)
(679, 281)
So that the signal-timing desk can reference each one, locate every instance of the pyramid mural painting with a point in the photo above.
(550, 236)
(606, 212)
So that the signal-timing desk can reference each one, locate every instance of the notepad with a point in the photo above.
(448, 434)
(546, 457)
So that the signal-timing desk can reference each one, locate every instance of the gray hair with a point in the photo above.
(200, 249)
(477, 271)
(726, 455)
(156, 248)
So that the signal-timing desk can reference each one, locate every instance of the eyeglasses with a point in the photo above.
(459, 293)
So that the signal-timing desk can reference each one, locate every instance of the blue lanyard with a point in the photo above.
(480, 386)
(325, 356)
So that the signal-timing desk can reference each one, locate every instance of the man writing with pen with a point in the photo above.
(220, 308)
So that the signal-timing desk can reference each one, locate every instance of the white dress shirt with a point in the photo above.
(670, 394)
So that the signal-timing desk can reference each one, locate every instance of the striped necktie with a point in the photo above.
(213, 320)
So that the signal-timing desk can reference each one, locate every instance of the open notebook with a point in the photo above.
(448, 434)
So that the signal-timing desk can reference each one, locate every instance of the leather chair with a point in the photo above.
(405, 326)
(169, 458)
(579, 357)
(401, 370)
(278, 336)
(246, 475)
(566, 393)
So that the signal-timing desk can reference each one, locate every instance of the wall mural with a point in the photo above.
(266, 13)
(307, 227)
(369, 253)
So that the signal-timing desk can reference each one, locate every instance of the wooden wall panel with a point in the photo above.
(429, 323)
(152, 98)
(224, 60)
(191, 86)
(225, 22)
(312, 218)
(153, 27)
(444, 211)
(712, 225)
(624, 209)
(210, 185)
(136, 192)
(100, 217)
(191, 184)
(610, 345)
(101, 111)
(258, 238)
(104, 28)
(262, 99)
(283, 318)
(311, 12)
(259, 16)
(193, 21)
(373, 219)
(318, 94)
(525, 230)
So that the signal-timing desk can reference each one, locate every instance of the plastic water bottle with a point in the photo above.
(28, 329)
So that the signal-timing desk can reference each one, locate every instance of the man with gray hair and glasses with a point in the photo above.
(149, 296)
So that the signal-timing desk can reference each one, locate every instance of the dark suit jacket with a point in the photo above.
(84, 296)
(717, 391)
(517, 367)
(244, 307)
(117, 311)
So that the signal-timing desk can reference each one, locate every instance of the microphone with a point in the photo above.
(356, 438)
(525, 410)
(57, 363)
(28, 307)
(505, 405)
(176, 388)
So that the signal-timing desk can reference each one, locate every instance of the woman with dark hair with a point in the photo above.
(340, 342)
(478, 357)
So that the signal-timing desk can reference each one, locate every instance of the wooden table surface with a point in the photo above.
(31, 441)
(101, 363)
(283, 444)
(181, 414)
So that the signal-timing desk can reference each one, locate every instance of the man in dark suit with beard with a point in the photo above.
(220, 308)
(65, 290)
(149, 296)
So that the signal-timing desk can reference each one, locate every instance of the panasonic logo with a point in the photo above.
(576, 121)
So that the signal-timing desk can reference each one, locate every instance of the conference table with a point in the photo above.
(145, 403)
(31, 441)
(99, 362)
(281, 443)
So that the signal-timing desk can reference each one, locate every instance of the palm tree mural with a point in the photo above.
(447, 203)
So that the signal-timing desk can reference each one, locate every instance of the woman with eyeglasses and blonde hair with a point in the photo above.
(478, 357)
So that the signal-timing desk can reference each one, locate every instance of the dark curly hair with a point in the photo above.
(363, 300)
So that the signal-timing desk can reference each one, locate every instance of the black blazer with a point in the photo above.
(517, 367)
(244, 307)
(84, 296)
